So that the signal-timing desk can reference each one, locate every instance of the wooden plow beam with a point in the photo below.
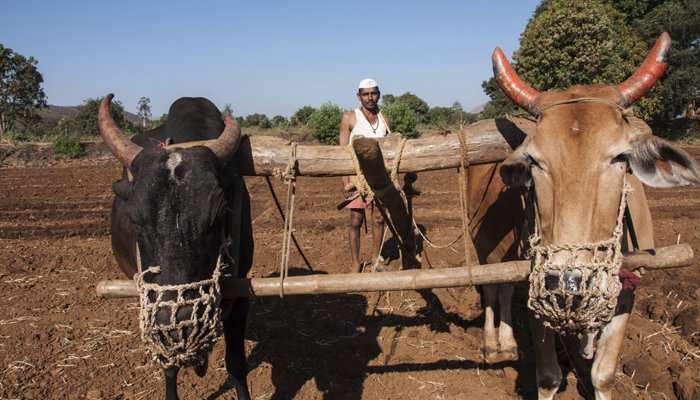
(488, 141)
(675, 256)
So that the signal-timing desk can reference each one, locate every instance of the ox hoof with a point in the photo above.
(510, 354)
(239, 385)
(201, 369)
(490, 354)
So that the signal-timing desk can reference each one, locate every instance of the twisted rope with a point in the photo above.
(290, 177)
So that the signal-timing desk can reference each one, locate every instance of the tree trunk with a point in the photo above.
(488, 141)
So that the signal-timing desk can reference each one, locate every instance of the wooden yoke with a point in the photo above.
(371, 162)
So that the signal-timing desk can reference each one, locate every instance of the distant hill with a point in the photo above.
(55, 113)
(478, 109)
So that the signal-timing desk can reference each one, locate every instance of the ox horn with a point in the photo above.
(226, 145)
(648, 73)
(124, 149)
(511, 84)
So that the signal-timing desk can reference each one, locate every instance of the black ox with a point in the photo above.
(176, 203)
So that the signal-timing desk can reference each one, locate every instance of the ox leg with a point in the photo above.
(609, 346)
(506, 341)
(490, 345)
(549, 374)
(234, 333)
(587, 345)
(170, 383)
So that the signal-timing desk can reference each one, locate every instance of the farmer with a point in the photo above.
(366, 121)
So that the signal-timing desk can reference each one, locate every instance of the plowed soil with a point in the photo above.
(58, 340)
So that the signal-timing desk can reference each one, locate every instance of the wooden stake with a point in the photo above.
(369, 156)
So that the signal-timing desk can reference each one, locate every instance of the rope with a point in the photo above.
(281, 213)
(359, 180)
(623, 111)
(290, 177)
(469, 248)
(397, 160)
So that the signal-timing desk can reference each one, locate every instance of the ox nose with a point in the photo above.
(569, 286)
(167, 314)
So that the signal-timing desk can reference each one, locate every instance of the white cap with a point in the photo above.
(367, 84)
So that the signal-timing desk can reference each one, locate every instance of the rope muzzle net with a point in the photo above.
(570, 295)
(179, 323)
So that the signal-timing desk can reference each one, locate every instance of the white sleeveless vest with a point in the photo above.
(364, 128)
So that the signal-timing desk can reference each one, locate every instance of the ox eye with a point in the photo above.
(533, 162)
(620, 158)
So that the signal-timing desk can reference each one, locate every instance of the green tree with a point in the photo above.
(257, 119)
(279, 121)
(302, 115)
(499, 104)
(402, 119)
(227, 109)
(387, 99)
(419, 107)
(86, 120)
(569, 42)
(144, 110)
(325, 123)
(21, 93)
(679, 91)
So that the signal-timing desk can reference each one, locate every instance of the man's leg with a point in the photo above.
(377, 231)
(356, 217)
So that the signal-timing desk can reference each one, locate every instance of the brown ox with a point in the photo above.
(576, 155)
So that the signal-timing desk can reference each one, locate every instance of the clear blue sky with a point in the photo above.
(265, 56)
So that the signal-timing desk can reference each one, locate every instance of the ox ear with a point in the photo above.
(658, 163)
(515, 170)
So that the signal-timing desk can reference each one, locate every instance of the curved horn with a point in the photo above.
(226, 145)
(648, 73)
(511, 84)
(124, 149)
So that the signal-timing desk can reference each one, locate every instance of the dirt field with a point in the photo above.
(58, 340)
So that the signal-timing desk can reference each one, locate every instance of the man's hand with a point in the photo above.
(349, 189)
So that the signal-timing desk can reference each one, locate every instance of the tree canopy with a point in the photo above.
(301, 116)
(21, 93)
(325, 123)
(86, 121)
(402, 118)
(679, 91)
(417, 105)
(568, 42)
(144, 110)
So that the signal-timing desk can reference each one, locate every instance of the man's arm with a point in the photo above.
(387, 121)
(346, 125)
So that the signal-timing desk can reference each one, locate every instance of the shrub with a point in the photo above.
(302, 115)
(280, 121)
(257, 119)
(14, 137)
(68, 146)
(402, 119)
(85, 123)
(325, 123)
